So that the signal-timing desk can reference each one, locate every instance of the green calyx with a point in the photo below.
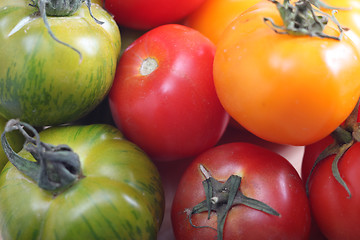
(345, 136)
(56, 167)
(221, 197)
(61, 8)
(302, 19)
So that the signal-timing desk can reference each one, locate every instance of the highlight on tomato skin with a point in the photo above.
(163, 97)
(283, 88)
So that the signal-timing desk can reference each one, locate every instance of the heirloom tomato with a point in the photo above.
(117, 193)
(163, 97)
(147, 14)
(330, 169)
(212, 17)
(44, 82)
(286, 88)
(240, 191)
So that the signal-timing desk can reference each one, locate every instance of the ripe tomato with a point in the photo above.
(147, 14)
(283, 88)
(265, 176)
(212, 17)
(335, 213)
(163, 97)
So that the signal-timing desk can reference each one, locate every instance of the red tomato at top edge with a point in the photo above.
(266, 177)
(163, 97)
(147, 14)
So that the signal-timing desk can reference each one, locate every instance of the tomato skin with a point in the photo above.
(212, 17)
(147, 14)
(347, 17)
(121, 195)
(266, 176)
(336, 214)
(173, 112)
(261, 78)
(42, 81)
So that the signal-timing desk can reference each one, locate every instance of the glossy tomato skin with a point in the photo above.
(147, 14)
(266, 176)
(212, 17)
(285, 89)
(347, 14)
(336, 214)
(43, 82)
(172, 112)
(119, 197)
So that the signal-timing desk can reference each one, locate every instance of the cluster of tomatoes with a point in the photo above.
(171, 98)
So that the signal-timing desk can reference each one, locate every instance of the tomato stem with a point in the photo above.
(300, 19)
(60, 9)
(55, 168)
(221, 197)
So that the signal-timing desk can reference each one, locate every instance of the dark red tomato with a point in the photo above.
(147, 14)
(265, 176)
(335, 209)
(163, 97)
(337, 214)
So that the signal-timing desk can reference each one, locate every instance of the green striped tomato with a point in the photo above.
(119, 197)
(43, 82)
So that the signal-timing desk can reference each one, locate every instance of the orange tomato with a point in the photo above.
(283, 88)
(213, 16)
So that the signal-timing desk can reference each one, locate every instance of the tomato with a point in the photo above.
(147, 14)
(163, 97)
(284, 88)
(212, 17)
(118, 194)
(265, 176)
(331, 170)
(337, 214)
(14, 138)
(43, 82)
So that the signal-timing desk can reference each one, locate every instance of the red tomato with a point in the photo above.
(283, 88)
(336, 214)
(163, 97)
(265, 176)
(147, 14)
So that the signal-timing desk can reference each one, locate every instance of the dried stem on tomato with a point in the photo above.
(221, 197)
(302, 19)
(55, 168)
